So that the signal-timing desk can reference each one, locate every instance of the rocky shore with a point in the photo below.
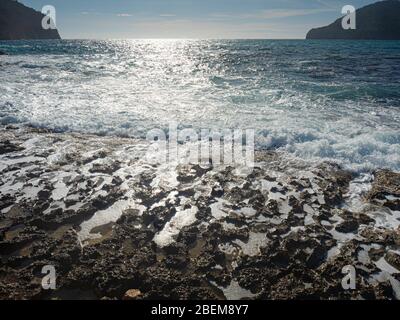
(116, 227)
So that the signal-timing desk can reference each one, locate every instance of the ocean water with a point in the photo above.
(314, 100)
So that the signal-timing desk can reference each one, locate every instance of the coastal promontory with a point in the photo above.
(18, 22)
(378, 21)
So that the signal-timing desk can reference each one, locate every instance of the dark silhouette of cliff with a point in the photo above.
(378, 21)
(20, 22)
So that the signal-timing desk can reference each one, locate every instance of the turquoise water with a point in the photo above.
(315, 100)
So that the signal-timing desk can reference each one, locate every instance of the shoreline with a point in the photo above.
(259, 149)
(110, 222)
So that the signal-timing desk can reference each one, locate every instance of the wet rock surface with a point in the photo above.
(7, 147)
(386, 190)
(115, 226)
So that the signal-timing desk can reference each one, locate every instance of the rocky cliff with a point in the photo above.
(20, 22)
(378, 21)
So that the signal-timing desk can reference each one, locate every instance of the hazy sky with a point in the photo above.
(192, 18)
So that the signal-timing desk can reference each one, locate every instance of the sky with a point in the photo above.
(192, 19)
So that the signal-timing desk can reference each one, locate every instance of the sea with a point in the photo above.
(336, 101)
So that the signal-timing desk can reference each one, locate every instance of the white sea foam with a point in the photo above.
(135, 86)
(234, 291)
(111, 214)
(172, 228)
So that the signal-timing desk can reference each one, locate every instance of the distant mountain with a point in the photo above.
(378, 21)
(20, 22)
